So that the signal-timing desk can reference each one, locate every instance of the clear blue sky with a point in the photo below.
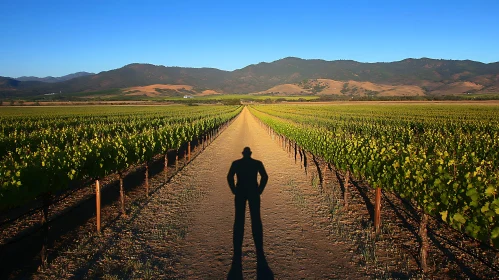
(54, 38)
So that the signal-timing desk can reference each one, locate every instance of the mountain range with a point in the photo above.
(289, 75)
(51, 79)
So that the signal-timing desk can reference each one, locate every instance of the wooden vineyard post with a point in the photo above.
(97, 203)
(377, 211)
(324, 174)
(304, 161)
(295, 152)
(189, 152)
(122, 196)
(301, 156)
(346, 193)
(147, 180)
(45, 227)
(176, 161)
(423, 234)
(165, 170)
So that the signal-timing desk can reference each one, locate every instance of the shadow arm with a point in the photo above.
(263, 178)
(230, 179)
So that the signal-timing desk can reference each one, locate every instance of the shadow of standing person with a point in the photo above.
(247, 188)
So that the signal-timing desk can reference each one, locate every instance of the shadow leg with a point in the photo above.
(236, 270)
(256, 226)
(238, 232)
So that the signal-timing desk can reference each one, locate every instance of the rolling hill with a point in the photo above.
(285, 76)
(51, 79)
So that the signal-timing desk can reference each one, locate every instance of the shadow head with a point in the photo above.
(247, 152)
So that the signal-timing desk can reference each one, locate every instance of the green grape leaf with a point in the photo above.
(459, 218)
(444, 215)
(490, 191)
(495, 233)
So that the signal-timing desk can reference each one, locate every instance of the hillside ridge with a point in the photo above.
(432, 76)
(50, 79)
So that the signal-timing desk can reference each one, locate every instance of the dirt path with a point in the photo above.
(297, 247)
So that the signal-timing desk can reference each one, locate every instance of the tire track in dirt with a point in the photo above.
(297, 247)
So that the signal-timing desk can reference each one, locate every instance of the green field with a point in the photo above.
(442, 158)
(44, 149)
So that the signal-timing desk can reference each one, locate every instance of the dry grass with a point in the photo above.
(334, 87)
(459, 87)
(209, 92)
(151, 91)
(285, 89)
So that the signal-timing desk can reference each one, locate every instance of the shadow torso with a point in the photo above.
(246, 170)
